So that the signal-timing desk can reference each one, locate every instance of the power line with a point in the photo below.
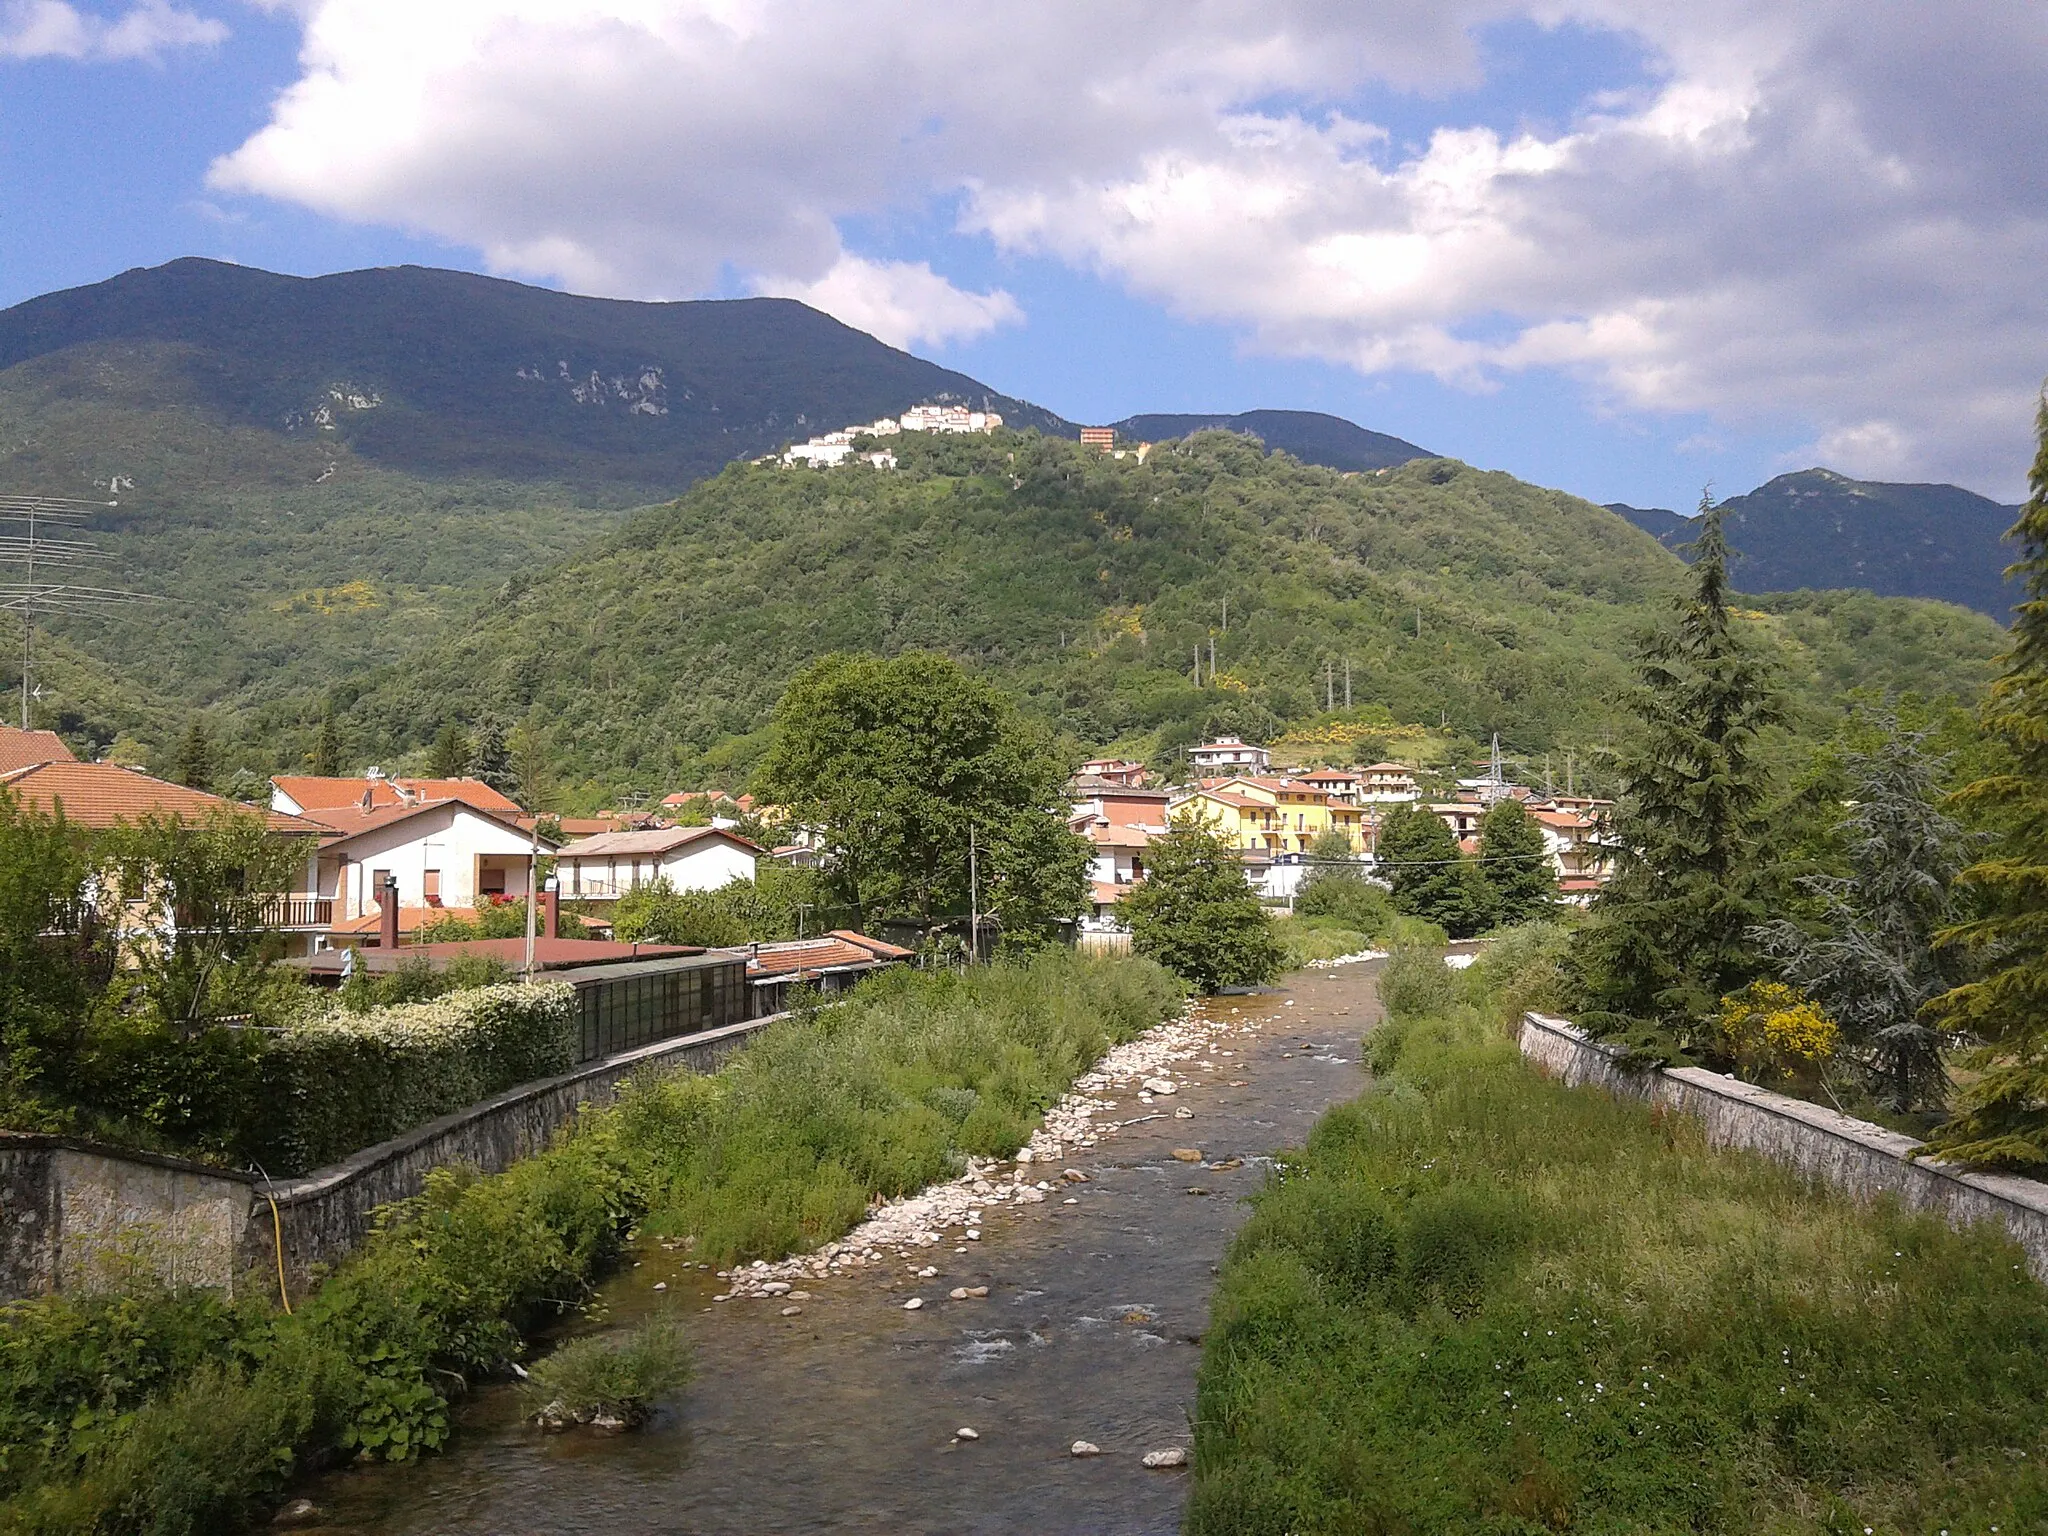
(33, 550)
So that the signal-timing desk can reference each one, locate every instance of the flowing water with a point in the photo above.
(842, 1418)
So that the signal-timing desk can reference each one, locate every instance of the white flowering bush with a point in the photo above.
(342, 1081)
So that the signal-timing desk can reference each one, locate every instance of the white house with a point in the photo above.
(607, 866)
(1226, 754)
(1387, 784)
(445, 855)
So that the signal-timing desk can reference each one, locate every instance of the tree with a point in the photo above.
(1870, 959)
(327, 745)
(903, 765)
(1670, 934)
(449, 756)
(1195, 914)
(194, 766)
(1336, 887)
(49, 952)
(532, 765)
(1515, 863)
(2001, 1118)
(1431, 877)
(490, 759)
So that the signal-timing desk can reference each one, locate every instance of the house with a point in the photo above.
(1340, 784)
(831, 964)
(1578, 852)
(1387, 784)
(1300, 812)
(606, 867)
(1113, 770)
(27, 749)
(310, 794)
(1226, 754)
(1461, 816)
(1101, 439)
(1119, 821)
(101, 796)
(441, 858)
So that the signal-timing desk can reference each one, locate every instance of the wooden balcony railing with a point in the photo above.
(299, 912)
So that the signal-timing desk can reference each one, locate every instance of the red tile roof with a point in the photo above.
(24, 749)
(841, 947)
(106, 794)
(317, 793)
(651, 840)
(351, 821)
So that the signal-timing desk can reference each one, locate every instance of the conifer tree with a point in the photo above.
(327, 745)
(448, 757)
(490, 754)
(194, 768)
(2001, 1118)
(1870, 959)
(1431, 877)
(1669, 935)
(1513, 862)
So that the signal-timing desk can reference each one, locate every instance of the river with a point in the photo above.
(843, 1417)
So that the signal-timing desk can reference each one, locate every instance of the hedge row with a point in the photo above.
(343, 1081)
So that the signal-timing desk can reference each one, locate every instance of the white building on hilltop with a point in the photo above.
(837, 447)
(948, 418)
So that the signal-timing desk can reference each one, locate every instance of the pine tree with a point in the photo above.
(1515, 864)
(1196, 915)
(1669, 935)
(2001, 1118)
(490, 758)
(1870, 959)
(1431, 877)
(194, 768)
(327, 745)
(448, 757)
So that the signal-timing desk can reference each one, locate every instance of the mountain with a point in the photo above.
(446, 373)
(1311, 436)
(1463, 601)
(1817, 529)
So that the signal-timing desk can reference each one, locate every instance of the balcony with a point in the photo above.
(299, 912)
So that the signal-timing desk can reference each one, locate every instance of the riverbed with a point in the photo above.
(844, 1416)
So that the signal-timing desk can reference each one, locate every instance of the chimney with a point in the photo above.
(550, 910)
(387, 914)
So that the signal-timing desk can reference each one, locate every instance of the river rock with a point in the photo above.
(1160, 1086)
(927, 1272)
(1075, 1176)
(799, 1295)
(1171, 1457)
(608, 1424)
(966, 1433)
(1183, 1113)
(958, 1293)
(1187, 1154)
(1084, 1448)
(977, 1290)
(298, 1512)
(661, 1285)
(792, 1311)
(774, 1287)
(913, 1304)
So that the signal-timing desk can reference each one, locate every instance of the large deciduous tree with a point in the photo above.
(1195, 914)
(1431, 877)
(2001, 1117)
(904, 764)
(48, 957)
(1515, 863)
(1670, 934)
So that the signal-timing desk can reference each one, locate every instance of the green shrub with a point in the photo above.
(1416, 982)
(619, 1375)
(343, 1081)
(1318, 938)
(1357, 904)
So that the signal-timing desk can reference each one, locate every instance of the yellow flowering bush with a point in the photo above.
(1773, 1026)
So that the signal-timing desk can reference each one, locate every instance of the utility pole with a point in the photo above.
(1347, 682)
(1212, 658)
(532, 890)
(973, 896)
(34, 549)
(1226, 615)
(1329, 685)
(1198, 663)
(1418, 623)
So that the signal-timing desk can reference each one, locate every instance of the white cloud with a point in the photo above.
(1828, 215)
(54, 29)
(900, 302)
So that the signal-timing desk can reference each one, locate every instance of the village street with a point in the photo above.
(843, 1415)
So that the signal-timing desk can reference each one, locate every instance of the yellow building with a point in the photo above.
(1272, 815)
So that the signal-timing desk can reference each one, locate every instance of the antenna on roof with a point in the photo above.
(34, 548)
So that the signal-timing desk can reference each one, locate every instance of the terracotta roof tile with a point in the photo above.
(25, 749)
(317, 792)
(105, 794)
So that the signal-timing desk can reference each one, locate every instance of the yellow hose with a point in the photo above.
(277, 1231)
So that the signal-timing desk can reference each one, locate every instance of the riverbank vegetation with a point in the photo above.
(178, 1413)
(1480, 1301)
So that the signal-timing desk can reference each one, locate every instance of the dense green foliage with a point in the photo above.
(923, 779)
(617, 1375)
(1479, 1301)
(1671, 933)
(1196, 916)
(2001, 1118)
(1520, 885)
(778, 903)
(1431, 877)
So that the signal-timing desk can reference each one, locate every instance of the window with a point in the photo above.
(431, 880)
(377, 879)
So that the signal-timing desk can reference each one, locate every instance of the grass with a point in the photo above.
(889, 1091)
(618, 1375)
(1482, 1302)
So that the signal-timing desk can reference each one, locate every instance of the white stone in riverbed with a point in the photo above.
(1084, 1448)
(799, 1295)
(965, 1433)
(774, 1287)
(959, 1293)
(1159, 1085)
(1173, 1457)
(913, 1304)
(927, 1272)
(1183, 1113)
(791, 1311)
(973, 1236)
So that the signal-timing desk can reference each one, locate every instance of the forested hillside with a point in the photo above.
(1087, 583)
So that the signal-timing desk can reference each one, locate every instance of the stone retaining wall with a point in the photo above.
(1851, 1155)
(76, 1216)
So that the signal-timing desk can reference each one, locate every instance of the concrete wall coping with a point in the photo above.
(38, 1141)
(2029, 1194)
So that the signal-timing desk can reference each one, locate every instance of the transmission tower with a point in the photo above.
(38, 537)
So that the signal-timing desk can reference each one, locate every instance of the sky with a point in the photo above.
(1633, 249)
